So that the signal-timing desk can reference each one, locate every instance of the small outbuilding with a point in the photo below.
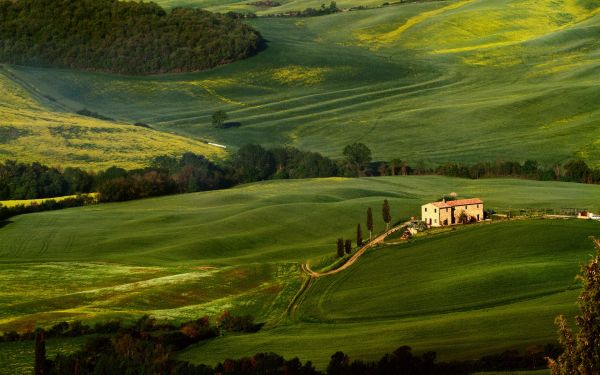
(438, 214)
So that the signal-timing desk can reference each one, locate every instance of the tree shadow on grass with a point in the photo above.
(229, 125)
(4, 223)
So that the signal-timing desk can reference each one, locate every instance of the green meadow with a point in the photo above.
(464, 293)
(434, 82)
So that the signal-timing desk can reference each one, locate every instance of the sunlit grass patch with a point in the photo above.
(377, 40)
(97, 291)
(29, 131)
(29, 202)
(299, 75)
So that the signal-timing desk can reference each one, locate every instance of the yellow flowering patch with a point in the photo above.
(469, 26)
(376, 40)
(210, 85)
(299, 75)
(505, 25)
(31, 132)
(29, 202)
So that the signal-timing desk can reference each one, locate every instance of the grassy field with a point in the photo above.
(463, 294)
(182, 256)
(36, 128)
(438, 81)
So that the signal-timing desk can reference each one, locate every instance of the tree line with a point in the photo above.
(145, 348)
(120, 37)
(251, 163)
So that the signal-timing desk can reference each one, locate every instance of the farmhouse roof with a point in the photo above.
(460, 202)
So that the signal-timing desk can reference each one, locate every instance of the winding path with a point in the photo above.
(376, 241)
(312, 275)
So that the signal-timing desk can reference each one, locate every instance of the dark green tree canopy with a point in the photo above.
(385, 212)
(357, 155)
(219, 118)
(120, 37)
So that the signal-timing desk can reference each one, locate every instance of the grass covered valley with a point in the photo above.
(175, 176)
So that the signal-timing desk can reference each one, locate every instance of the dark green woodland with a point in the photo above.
(120, 37)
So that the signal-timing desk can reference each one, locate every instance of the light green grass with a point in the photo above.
(437, 82)
(35, 128)
(182, 256)
(463, 294)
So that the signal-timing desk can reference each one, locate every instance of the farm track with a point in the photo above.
(313, 276)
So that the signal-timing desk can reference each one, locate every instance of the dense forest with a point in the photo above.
(120, 37)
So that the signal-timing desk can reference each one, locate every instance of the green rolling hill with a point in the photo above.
(36, 128)
(240, 249)
(437, 81)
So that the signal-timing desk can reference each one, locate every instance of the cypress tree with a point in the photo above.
(40, 353)
(370, 222)
(359, 239)
(348, 246)
(340, 247)
(387, 216)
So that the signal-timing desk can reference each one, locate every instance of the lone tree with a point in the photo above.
(348, 246)
(359, 239)
(340, 247)
(357, 156)
(219, 118)
(582, 352)
(370, 222)
(387, 216)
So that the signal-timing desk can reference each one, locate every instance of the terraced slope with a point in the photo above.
(183, 256)
(34, 127)
(438, 81)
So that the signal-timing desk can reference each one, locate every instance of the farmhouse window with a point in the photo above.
(425, 209)
(435, 210)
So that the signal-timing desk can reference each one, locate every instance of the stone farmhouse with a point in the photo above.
(438, 214)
